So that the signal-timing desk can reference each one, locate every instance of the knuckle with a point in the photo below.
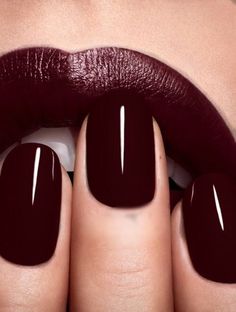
(15, 307)
(128, 283)
(124, 273)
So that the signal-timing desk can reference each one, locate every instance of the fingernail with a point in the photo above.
(209, 212)
(30, 200)
(120, 151)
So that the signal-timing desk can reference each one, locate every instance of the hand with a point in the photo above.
(116, 259)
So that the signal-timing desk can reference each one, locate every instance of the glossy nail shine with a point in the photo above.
(30, 199)
(210, 226)
(120, 151)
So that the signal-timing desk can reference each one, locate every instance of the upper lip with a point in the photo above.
(48, 87)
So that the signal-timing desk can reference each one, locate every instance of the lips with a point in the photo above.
(46, 87)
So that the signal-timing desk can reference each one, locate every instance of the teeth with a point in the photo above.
(60, 140)
(178, 174)
(4, 154)
(170, 166)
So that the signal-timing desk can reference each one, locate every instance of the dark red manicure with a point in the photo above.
(30, 195)
(120, 151)
(209, 210)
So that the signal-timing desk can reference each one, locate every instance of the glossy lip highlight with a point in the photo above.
(47, 87)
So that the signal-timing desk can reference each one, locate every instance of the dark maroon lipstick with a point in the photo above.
(47, 87)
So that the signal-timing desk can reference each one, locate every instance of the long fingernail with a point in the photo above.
(30, 197)
(120, 151)
(209, 211)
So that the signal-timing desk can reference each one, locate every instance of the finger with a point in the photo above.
(203, 236)
(120, 254)
(35, 194)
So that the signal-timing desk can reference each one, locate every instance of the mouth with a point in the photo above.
(48, 88)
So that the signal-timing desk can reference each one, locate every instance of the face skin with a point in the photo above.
(197, 38)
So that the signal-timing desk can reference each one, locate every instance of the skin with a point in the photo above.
(115, 264)
(198, 39)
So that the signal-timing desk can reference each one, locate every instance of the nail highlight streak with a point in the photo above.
(192, 194)
(53, 162)
(36, 168)
(218, 208)
(122, 136)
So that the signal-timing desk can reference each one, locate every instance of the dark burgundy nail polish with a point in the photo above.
(209, 211)
(30, 197)
(120, 151)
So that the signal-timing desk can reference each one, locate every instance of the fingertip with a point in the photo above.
(109, 243)
(193, 292)
(28, 281)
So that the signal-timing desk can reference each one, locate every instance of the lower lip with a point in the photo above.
(43, 87)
